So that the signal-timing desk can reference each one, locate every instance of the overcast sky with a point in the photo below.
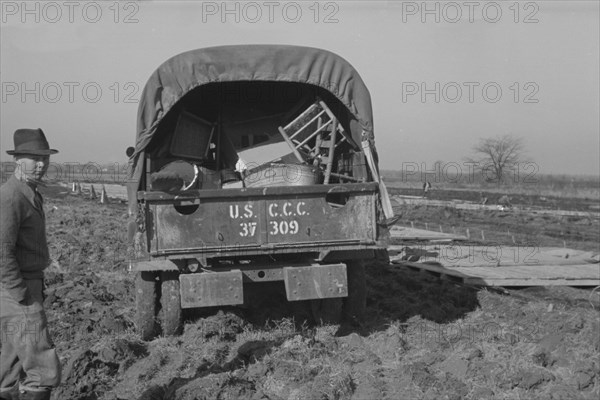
(530, 69)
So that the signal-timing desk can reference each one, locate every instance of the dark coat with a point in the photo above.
(24, 250)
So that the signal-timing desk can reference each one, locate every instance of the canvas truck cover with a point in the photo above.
(278, 63)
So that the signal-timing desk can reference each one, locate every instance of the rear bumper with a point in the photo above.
(302, 282)
(225, 286)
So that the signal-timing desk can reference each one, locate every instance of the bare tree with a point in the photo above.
(497, 155)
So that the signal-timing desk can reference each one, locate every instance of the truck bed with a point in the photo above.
(234, 221)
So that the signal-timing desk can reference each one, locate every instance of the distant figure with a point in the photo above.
(482, 199)
(504, 202)
(426, 188)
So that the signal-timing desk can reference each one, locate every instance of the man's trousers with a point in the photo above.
(27, 349)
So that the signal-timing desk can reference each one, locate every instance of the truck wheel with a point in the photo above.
(355, 305)
(327, 311)
(145, 304)
(170, 301)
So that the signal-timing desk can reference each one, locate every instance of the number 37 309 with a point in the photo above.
(275, 228)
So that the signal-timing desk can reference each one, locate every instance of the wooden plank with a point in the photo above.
(530, 282)
(537, 271)
(458, 255)
(485, 272)
(525, 275)
(386, 203)
(422, 234)
(506, 272)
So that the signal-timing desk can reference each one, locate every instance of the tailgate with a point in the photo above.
(234, 219)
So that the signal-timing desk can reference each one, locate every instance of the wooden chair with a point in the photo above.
(319, 123)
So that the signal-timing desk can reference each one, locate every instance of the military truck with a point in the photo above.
(253, 164)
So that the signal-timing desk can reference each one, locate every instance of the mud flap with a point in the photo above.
(211, 289)
(315, 282)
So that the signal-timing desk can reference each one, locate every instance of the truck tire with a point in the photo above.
(146, 304)
(355, 305)
(170, 302)
(327, 311)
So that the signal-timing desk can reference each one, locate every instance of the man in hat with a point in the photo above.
(27, 349)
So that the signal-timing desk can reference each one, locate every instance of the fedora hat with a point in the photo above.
(31, 141)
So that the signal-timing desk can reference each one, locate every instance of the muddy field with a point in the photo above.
(506, 228)
(552, 202)
(423, 338)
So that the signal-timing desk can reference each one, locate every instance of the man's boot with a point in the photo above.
(11, 394)
(35, 395)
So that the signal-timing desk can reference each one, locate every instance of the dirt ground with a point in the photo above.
(423, 338)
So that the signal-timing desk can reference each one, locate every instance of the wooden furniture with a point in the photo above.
(314, 135)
